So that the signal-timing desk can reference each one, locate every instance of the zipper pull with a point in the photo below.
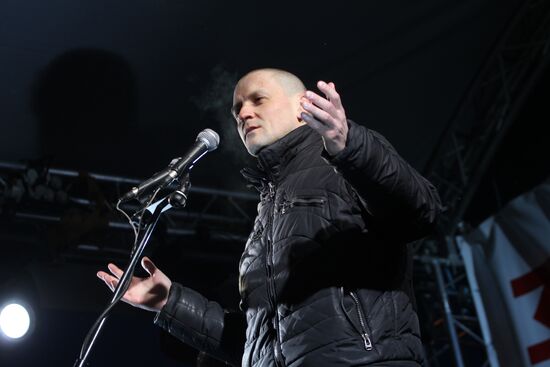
(366, 339)
(271, 189)
(284, 206)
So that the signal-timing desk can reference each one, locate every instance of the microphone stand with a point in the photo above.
(176, 199)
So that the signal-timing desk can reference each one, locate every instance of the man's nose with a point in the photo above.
(246, 113)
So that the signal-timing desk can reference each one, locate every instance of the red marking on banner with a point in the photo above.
(539, 352)
(527, 283)
(539, 276)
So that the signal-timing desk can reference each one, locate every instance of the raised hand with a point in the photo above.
(326, 115)
(150, 293)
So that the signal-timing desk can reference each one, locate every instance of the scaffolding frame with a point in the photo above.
(203, 212)
(468, 146)
(490, 105)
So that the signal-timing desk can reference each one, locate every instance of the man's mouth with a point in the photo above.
(249, 129)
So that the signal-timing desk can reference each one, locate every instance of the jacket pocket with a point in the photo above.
(302, 201)
(356, 316)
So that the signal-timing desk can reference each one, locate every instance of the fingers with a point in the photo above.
(321, 115)
(115, 270)
(112, 284)
(319, 101)
(110, 280)
(330, 92)
(148, 265)
(313, 122)
(327, 110)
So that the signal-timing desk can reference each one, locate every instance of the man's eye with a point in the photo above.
(259, 99)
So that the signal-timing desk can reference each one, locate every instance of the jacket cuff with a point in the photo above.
(352, 146)
(163, 317)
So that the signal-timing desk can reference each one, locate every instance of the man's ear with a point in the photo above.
(300, 108)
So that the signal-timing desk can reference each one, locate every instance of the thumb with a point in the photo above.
(148, 265)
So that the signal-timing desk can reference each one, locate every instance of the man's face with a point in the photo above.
(263, 111)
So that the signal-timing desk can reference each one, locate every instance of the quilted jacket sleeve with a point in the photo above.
(398, 199)
(203, 324)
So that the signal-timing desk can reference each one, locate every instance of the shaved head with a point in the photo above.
(290, 83)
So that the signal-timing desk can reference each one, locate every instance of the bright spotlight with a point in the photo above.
(14, 321)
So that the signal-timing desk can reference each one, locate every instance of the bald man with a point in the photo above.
(325, 276)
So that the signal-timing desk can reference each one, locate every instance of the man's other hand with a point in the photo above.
(150, 293)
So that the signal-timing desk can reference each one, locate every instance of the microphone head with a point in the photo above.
(210, 138)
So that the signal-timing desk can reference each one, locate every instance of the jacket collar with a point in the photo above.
(274, 160)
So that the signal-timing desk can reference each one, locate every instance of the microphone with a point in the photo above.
(206, 141)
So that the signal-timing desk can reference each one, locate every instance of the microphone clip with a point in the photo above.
(178, 198)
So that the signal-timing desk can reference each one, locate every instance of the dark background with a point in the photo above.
(122, 87)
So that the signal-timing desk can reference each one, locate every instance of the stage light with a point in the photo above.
(15, 321)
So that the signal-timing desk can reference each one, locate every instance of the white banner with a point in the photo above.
(509, 255)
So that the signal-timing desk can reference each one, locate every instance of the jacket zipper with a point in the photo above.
(314, 202)
(362, 321)
(270, 283)
(257, 234)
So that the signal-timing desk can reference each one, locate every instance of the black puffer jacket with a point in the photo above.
(325, 277)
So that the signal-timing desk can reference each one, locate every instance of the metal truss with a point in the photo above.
(487, 109)
(455, 329)
(456, 167)
(34, 193)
